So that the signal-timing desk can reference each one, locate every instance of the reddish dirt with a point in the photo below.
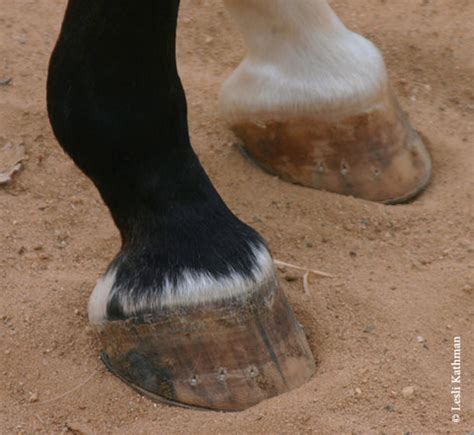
(404, 284)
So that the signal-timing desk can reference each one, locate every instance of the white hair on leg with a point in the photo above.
(190, 288)
(301, 60)
(100, 297)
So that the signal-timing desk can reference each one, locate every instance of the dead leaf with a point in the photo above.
(10, 160)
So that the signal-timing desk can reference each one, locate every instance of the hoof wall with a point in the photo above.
(227, 356)
(375, 155)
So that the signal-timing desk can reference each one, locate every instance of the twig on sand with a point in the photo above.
(305, 269)
(306, 284)
(54, 399)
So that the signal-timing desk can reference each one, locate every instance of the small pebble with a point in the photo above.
(33, 397)
(408, 392)
(420, 339)
(369, 328)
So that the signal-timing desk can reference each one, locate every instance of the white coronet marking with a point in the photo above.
(301, 61)
(192, 288)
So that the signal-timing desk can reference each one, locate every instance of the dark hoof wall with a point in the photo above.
(227, 356)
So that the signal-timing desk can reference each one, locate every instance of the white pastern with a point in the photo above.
(301, 60)
(192, 288)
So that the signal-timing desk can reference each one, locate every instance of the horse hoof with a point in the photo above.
(374, 155)
(221, 356)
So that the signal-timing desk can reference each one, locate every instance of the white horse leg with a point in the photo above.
(311, 102)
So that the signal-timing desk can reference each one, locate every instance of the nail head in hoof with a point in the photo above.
(223, 356)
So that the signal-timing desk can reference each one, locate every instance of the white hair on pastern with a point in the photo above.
(99, 298)
(301, 61)
(191, 288)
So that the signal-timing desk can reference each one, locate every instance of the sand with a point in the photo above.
(382, 328)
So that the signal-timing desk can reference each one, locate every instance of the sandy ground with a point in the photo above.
(404, 283)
